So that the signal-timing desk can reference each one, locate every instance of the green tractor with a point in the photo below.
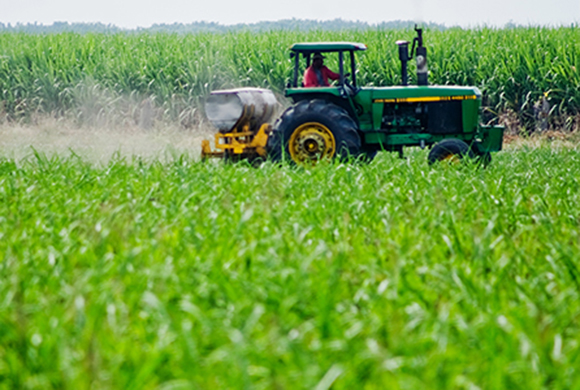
(346, 121)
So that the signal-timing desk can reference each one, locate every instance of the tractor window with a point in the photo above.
(321, 69)
(331, 60)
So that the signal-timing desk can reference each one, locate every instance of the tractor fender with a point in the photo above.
(341, 102)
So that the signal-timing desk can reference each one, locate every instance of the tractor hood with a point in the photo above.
(414, 94)
(398, 94)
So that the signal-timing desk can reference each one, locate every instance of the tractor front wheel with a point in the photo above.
(452, 150)
(311, 131)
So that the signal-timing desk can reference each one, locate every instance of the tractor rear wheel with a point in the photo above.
(314, 130)
(451, 150)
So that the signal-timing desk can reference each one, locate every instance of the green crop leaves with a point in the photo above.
(138, 274)
(513, 67)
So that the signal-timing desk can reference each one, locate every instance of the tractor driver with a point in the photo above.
(317, 74)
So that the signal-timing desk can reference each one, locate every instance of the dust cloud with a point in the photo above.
(102, 125)
(49, 136)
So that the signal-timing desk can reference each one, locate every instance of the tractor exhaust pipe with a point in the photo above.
(420, 53)
(404, 57)
(421, 58)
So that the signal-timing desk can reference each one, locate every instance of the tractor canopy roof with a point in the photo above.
(312, 47)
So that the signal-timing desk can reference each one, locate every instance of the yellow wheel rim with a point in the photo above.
(310, 143)
(452, 158)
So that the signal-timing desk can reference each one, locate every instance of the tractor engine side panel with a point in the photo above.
(403, 117)
(432, 117)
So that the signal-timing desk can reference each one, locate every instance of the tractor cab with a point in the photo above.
(302, 54)
(340, 59)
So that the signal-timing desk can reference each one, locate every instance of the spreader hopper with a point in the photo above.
(241, 117)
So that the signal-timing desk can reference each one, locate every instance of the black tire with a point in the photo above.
(331, 116)
(449, 148)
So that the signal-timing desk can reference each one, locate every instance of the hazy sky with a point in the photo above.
(133, 13)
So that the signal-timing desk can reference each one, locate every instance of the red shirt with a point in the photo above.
(311, 79)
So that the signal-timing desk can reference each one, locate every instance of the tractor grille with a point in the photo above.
(444, 117)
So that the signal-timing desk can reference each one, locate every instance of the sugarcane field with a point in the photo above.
(379, 208)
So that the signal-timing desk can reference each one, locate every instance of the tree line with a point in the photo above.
(213, 27)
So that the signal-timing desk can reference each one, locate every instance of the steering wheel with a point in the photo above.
(347, 85)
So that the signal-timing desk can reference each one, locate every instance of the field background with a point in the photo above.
(101, 75)
(126, 263)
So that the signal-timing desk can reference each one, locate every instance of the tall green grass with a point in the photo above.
(184, 275)
(513, 67)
